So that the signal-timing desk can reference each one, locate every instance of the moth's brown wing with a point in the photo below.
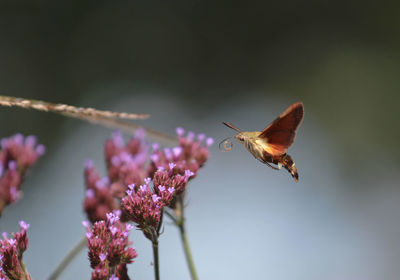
(281, 132)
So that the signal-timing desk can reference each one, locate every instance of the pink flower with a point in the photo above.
(17, 155)
(113, 277)
(11, 252)
(171, 179)
(108, 246)
(128, 184)
(144, 207)
(126, 163)
(102, 257)
(191, 154)
(99, 198)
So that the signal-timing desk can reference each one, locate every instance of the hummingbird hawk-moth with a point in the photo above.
(270, 144)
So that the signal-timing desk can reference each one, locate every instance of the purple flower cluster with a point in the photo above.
(191, 154)
(175, 167)
(144, 207)
(141, 184)
(11, 252)
(99, 198)
(109, 250)
(126, 163)
(172, 178)
(17, 155)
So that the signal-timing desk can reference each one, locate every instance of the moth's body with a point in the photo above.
(260, 149)
(270, 145)
(253, 143)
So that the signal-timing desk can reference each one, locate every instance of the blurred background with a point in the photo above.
(195, 64)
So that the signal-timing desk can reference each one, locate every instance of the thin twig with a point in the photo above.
(63, 108)
(105, 118)
(68, 258)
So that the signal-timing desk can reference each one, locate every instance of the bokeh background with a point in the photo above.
(195, 64)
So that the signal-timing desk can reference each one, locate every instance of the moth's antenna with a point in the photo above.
(232, 126)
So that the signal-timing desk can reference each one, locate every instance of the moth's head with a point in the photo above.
(241, 137)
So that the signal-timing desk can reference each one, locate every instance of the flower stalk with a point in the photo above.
(156, 260)
(180, 223)
(68, 258)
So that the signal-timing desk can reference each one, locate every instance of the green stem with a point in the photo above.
(68, 258)
(185, 242)
(23, 266)
(156, 263)
(188, 253)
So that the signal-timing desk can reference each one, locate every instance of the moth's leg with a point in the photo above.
(267, 159)
(273, 167)
(278, 162)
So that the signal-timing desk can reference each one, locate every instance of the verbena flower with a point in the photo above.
(144, 207)
(99, 199)
(170, 178)
(191, 154)
(126, 163)
(11, 252)
(175, 167)
(17, 155)
(140, 185)
(109, 250)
